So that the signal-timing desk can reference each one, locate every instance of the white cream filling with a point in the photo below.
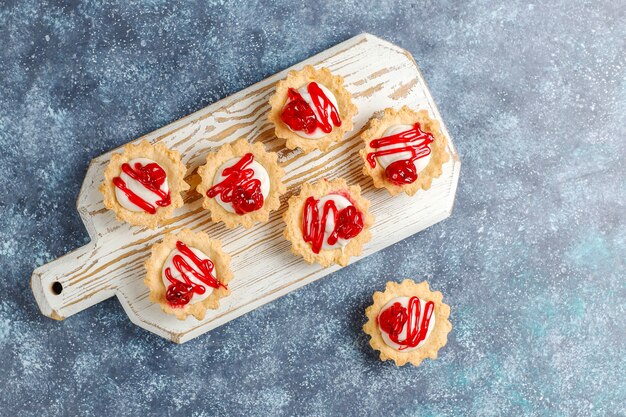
(317, 133)
(404, 301)
(137, 188)
(387, 160)
(341, 203)
(260, 173)
(169, 263)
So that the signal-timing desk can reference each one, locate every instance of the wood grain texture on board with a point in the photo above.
(377, 73)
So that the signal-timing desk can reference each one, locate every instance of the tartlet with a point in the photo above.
(311, 109)
(187, 273)
(143, 184)
(328, 222)
(407, 322)
(241, 184)
(404, 150)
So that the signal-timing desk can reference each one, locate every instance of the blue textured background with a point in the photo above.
(531, 262)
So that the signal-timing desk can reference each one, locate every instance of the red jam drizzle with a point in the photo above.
(402, 172)
(348, 223)
(299, 115)
(179, 293)
(239, 188)
(393, 319)
(151, 176)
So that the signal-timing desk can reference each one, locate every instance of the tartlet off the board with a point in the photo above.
(407, 322)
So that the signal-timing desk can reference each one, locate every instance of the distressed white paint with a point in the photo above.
(377, 73)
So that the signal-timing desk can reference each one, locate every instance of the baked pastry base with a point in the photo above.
(405, 116)
(435, 341)
(296, 79)
(159, 254)
(215, 160)
(293, 221)
(169, 161)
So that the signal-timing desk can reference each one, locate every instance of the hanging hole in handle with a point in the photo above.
(57, 288)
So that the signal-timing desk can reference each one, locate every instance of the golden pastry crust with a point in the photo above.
(296, 79)
(215, 160)
(435, 341)
(293, 220)
(438, 156)
(169, 161)
(159, 254)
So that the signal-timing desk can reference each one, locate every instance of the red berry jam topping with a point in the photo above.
(187, 263)
(401, 172)
(348, 223)
(392, 320)
(396, 318)
(302, 116)
(297, 114)
(415, 141)
(178, 294)
(239, 187)
(150, 176)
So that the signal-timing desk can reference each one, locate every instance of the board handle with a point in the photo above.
(57, 291)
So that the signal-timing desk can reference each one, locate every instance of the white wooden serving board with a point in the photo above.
(377, 73)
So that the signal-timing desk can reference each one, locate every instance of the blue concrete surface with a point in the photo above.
(531, 262)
